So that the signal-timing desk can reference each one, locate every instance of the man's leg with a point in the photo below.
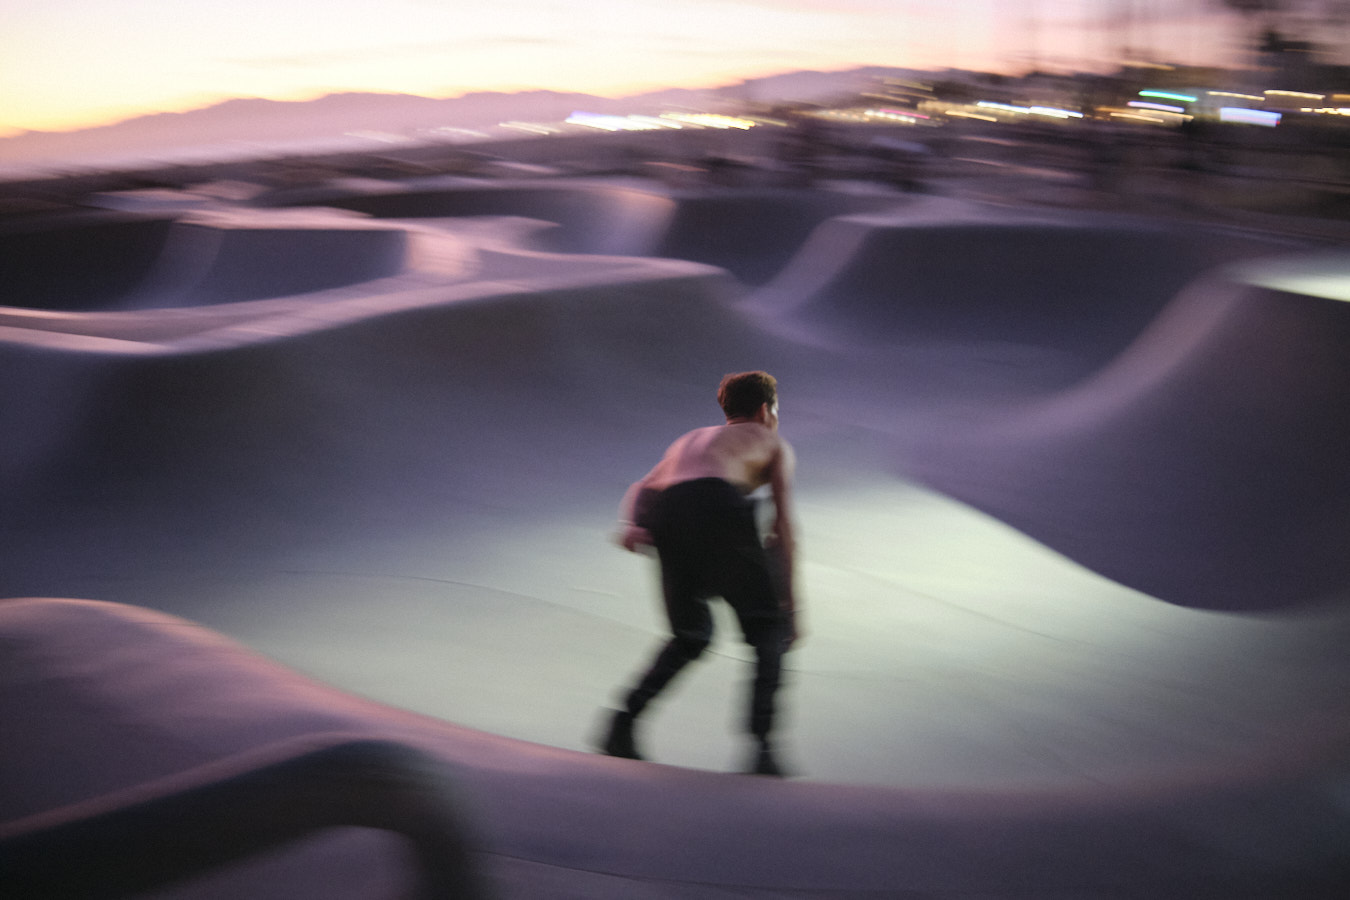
(691, 626)
(673, 657)
(764, 688)
(769, 646)
(753, 594)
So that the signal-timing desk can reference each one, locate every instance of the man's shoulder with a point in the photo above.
(757, 434)
(694, 434)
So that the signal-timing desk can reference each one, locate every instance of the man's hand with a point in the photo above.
(791, 634)
(632, 537)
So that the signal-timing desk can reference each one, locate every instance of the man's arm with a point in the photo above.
(631, 535)
(633, 532)
(633, 522)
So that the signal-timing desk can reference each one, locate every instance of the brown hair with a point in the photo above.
(742, 393)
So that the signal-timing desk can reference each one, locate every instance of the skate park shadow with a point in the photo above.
(118, 261)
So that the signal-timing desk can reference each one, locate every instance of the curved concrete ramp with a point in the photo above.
(754, 233)
(603, 218)
(751, 233)
(234, 399)
(224, 262)
(1079, 285)
(119, 262)
(128, 696)
(1207, 466)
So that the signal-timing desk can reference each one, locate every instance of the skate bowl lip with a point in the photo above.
(181, 635)
(593, 215)
(182, 244)
(457, 268)
(439, 264)
(242, 323)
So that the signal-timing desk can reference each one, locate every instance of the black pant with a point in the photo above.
(709, 546)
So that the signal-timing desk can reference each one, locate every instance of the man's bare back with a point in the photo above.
(742, 453)
(746, 452)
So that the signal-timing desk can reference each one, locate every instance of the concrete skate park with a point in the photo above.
(304, 487)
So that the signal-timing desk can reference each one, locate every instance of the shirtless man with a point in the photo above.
(694, 509)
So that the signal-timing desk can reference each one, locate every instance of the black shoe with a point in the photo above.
(620, 739)
(765, 763)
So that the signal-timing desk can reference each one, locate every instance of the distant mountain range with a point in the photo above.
(245, 126)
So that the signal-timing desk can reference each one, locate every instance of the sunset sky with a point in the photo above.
(74, 63)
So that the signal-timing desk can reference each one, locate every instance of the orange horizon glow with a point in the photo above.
(75, 64)
(77, 119)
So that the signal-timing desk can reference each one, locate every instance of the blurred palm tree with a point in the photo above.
(1277, 25)
(1263, 12)
(1274, 15)
(1252, 7)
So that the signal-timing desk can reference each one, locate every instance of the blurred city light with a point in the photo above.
(1242, 115)
(711, 120)
(1168, 95)
(1160, 107)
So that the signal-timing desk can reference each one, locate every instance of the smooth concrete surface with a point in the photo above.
(1074, 619)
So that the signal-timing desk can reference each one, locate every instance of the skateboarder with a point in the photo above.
(694, 509)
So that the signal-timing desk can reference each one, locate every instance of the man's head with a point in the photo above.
(743, 394)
